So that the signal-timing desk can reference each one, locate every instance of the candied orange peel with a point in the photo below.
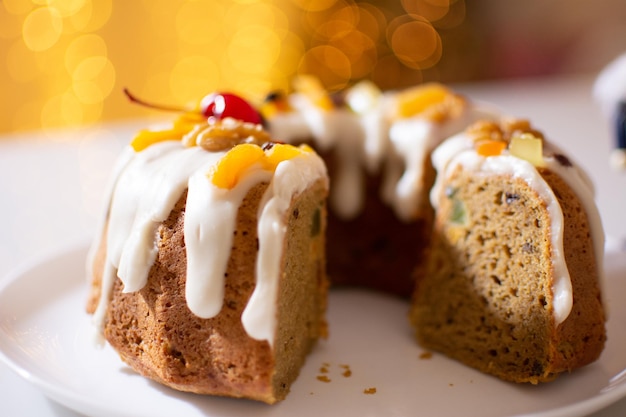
(490, 147)
(433, 101)
(491, 139)
(231, 168)
(184, 124)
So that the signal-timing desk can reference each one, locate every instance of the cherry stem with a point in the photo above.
(135, 99)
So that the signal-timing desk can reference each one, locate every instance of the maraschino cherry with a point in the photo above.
(221, 105)
(217, 105)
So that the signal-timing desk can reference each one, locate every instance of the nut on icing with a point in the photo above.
(219, 135)
(491, 139)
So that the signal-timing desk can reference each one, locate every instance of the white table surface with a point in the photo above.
(51, 188)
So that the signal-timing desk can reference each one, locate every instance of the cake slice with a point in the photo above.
(208, 275)
(512, 285)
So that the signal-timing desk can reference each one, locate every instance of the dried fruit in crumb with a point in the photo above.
(458, 215)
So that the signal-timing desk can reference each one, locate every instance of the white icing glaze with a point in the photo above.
(338, 129)
(144, 191)
(459, 150)
(364, 141)
(290, 178)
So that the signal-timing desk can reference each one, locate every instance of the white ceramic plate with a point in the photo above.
(46, 337)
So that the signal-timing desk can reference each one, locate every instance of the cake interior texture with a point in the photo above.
(486, 298)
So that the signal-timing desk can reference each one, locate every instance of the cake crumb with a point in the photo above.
(426, 355)
(323, 378)
(371, 390)
(323, 370)
(347, 372)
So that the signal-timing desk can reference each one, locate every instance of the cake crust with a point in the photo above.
(154, 331)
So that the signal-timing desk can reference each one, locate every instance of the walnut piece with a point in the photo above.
(220, 135)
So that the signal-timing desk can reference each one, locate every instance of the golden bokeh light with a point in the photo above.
(42, 28)
(93, 79)
(415, 42)
(191, 75)
(66, 62)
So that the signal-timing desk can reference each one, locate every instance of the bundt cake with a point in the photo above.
(209, 271)
(511, 285)
(377, 149)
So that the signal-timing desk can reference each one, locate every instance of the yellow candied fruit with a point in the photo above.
(229, 170)
(181, 126)
(490, 147)
(274, 104)
(281, 152)
(529, 147)
(418, 99)
(312, 87)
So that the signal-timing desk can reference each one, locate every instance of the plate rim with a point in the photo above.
(74, 401)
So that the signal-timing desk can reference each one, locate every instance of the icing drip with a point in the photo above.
(459, 150)
(364, 141)
(144, 191)
(291, 178)
(210, 219)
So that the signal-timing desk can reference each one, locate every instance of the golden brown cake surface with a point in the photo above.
(154, 331)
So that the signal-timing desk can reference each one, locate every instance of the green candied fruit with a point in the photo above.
(458, 215)
(316, 224)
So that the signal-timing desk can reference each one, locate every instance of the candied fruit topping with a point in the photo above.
(282, 152)
(490, 147)
(233, 166)
(491, 139)
(432, 101)
(223, 105)
(529, 147)
(184, 124)
(218, 135)
(241, 120)
(363, 97)
(312, 88)
(275, 102)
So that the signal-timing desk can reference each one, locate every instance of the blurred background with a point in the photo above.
(66, 62)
